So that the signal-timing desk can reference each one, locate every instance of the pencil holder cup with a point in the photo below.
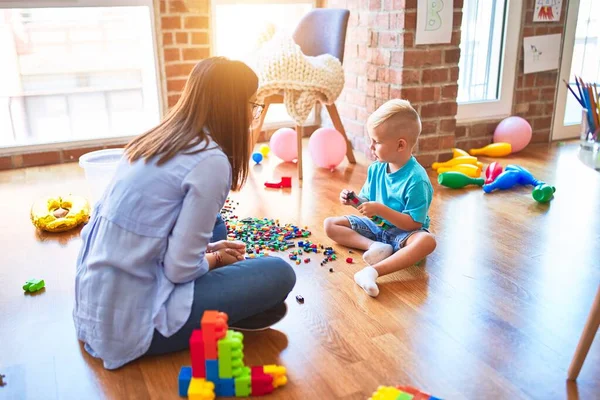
(586, 134)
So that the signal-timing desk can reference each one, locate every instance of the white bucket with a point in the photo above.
(100, 167)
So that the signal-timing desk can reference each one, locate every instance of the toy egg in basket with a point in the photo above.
(59, 214)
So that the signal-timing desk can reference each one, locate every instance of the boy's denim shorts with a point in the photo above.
(393, 236)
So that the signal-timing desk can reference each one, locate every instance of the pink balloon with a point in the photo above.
(513, 130)
(284, 144)
(327, 147)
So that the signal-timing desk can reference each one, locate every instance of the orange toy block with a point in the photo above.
(214, 327)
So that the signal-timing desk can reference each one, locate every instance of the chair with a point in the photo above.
(321, 31)
(586, 339)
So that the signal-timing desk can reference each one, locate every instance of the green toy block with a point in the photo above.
(231, 355)
(33, 285)
(243, 383)
(404, 396)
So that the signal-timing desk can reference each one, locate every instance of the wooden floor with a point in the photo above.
(495, 312)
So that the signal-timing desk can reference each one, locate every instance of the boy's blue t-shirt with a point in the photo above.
(407, 190)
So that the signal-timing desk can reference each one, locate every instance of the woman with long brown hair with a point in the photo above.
(153, 258)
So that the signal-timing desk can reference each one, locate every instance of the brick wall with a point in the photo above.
(534, 93)
(184, 39)
(382, 62)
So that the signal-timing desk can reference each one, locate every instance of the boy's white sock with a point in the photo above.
(377, 252)
(365, 278)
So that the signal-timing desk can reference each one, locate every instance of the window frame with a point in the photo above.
(267, 125)
(107, 141)
(502, 107)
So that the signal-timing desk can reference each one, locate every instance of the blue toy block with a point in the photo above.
(225, 387)
(212, 371)
(185, 377)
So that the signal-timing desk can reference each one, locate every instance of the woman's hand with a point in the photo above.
(234, 249)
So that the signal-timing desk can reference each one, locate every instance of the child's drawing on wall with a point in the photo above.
(547, 10)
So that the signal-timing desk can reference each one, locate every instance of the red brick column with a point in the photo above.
(382, 62)
(184, 39)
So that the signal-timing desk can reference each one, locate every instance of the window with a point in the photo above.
(80, 73)
(586, 56)
(488, 56)
(239, 28)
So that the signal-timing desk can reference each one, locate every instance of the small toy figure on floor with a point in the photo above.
(398, 190)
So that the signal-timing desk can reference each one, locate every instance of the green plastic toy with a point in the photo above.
(543, 193)
(457, 180)
(33, 285)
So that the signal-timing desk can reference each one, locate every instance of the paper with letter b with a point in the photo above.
(434, 21)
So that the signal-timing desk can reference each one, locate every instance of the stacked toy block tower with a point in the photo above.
(217, 355)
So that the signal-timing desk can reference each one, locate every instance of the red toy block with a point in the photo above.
(286, 182)
(197, 354)
(214, 327)
(418, 395)
(261, 383)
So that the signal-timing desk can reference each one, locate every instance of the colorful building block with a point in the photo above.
(405, 396)
(33, 285)
(212, 370)
(243, 384)
(185, 377)
(201, 389)
(214, 327)
(417, 394)
(278, 374)
(385, 393)
(197, 354)
(225, 387)
(231, 355)
(261, 383)
(400, 393)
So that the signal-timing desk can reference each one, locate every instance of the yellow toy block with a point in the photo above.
(201, 389)
(385, 393)
(278, 374)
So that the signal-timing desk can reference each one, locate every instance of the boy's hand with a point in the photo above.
(370, 208)
(344, 197)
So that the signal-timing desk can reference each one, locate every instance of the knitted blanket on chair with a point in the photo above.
(282, 67)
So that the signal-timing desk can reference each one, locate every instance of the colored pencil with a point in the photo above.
(593, 106)
(579, 89)
(574, 95)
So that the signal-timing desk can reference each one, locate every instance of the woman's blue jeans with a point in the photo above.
(241, 290)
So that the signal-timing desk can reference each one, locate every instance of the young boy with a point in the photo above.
(397, 190)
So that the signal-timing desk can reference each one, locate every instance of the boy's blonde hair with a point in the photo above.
(399, 113)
